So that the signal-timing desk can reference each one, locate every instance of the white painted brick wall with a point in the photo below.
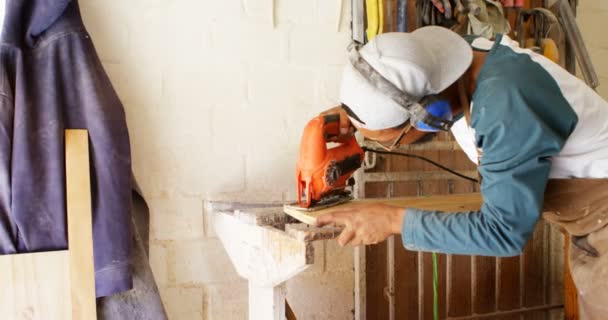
(184, 302)
(591, 17)
(216, 95)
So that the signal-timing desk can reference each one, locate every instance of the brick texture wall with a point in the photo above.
(592, 17)
(216, 95)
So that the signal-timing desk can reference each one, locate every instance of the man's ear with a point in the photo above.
(452, 96)
(415, 136)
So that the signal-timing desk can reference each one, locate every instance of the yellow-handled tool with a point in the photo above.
(375, 18)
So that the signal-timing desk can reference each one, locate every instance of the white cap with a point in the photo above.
(421, 63)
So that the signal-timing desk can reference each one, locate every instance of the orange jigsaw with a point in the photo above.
(323, 172)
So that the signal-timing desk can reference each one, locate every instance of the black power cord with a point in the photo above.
(409, 155)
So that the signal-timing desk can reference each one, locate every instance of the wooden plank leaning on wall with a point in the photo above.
(60, 284)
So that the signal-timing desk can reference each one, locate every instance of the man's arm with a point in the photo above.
(517, 143)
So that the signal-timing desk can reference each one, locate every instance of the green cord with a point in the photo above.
(435, 284)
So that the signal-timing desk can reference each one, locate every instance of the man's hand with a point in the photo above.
(365, 223)
(346, 128)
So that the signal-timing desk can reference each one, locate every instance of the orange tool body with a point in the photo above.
(324, 172)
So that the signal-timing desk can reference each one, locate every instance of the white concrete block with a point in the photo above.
(272, 170)
(200, 261)
(328, 86)
(332, 292)
(232, 129)
(235, 41)
(590, 23)
(186, 90)
(156, 176)
(280, 86)
(223, 11)
(289, 12)
(338, 258)
(111, 35)
(159, 261)
(259, 12)
(183, 302)
(329, 46)
(592, 5)
(129, 47)
(334, 13)
(599, 58)
(227, 301)
(176, 218)
(186, 39)
(220, 171)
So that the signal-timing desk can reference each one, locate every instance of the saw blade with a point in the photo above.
(327, 202)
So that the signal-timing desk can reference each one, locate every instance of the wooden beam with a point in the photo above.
(570, 292)
(79, 220)
(447, 203)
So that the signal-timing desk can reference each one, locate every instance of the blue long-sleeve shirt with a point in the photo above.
(521, 119)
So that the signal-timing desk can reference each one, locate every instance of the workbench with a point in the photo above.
(266, 247)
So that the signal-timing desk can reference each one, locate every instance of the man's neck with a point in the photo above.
(479, 57)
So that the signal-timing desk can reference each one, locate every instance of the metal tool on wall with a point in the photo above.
(358, 21)
(573, 34)
(445, 13)
(542, 24)
(401, 15)
(375, 17)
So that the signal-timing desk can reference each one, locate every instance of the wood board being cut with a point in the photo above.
(447, 203)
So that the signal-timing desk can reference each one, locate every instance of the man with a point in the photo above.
(528, 120)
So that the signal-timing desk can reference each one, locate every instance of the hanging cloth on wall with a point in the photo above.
(487, 18)
(52, 79)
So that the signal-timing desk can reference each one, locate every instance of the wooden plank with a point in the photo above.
(484, 284)
(406, 284)
(35, 286)
(375, 266)
(459, 285)
(447, 203)
(570, 292)
(534, 272)
(79, 219)
(508, 286)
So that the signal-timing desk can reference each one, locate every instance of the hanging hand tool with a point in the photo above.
(375, 18)
(448, 9)
(402, 15)
(575, 39)
(438, 12)
(358, 21)
(542, 23)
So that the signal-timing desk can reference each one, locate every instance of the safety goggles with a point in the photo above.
(397, 142)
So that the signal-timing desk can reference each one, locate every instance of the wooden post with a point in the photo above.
(570, 293)
(266, 302)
